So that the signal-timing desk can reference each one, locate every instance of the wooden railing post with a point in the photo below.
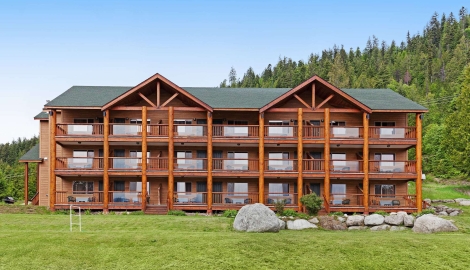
(26, 172)
(326, 183)
(365, 157)
(261, 158)
(52, 159)
(209, 163)
(300, 147)
(144, 158)
(419, 162)
(171, 161)
(106, 161)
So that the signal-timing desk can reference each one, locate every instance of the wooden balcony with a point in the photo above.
(229, 199)
(82, 132)
(79, 164)
(125, 164)
(190, 130)
(345, 132)
(283, 132)
(190, 164)
(392, 166)
(237, 165)
(313, 132)
(125, 130)
(79, 198)
(346, 166)
(185, 198)
(273, 197)
(392, 133)
(235, 131)
(313, 165)
(157, 164)
(392, 201)
(157, 130)
(276, 165)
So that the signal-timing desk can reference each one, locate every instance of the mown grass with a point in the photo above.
(433, 190)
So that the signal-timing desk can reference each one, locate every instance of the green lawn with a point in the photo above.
(167, 242)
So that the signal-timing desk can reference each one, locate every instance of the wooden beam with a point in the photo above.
(300, 148)
(158, 94)
(26, 172)
(325, 101)
(52, 159)
(326, 184)
(132, 108)
(106, 161)
(419, 163)
(37, 177)
(209, 163)
(261, 159)
(302, 101)
(169, 100)
(148, 100)
(171, 154)
(144, 157)
(339, 110)
(365, 157)
(313, 95)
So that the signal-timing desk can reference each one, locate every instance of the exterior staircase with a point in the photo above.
(156, 210)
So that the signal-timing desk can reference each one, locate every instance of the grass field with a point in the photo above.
(43, 241)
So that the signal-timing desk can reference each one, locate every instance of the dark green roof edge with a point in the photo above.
(31, 155)
(42, 115)
(87, 96)
(384, 99)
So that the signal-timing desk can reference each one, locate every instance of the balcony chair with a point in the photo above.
(228, 200)
(71, 199)
(270, 201)
(245, 168)
(288, 201)
(397, 170)
(346, 169)
(395, 202)
(347, 201)
(247, 201)
(289, 168)
(91, 199)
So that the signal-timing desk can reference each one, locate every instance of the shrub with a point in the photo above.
(381, 212)
(137, 213)
(176, 213)
(279, 206)
(303, 216)
(87, 212)
(63, 212)
(290, 213)
(112, 213)
(230, 213)
(338, 214)
(312, 202)
(427, 211)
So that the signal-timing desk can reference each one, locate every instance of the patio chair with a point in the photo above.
(395, 202)
(270, 201)
(288, 201)
(347, 201)
(228, 200)
(71, 199)
(247, 201)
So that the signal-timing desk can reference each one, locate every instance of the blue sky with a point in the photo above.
(48, 46)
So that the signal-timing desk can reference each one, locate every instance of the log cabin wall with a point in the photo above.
(44, 166)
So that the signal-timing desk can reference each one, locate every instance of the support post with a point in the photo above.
(300, 150)
(52, 159)
(144, 158)
(313, 96)
(326, 183)
(106, 161)
(365, 154)
(37, 177)
(419, 162)
(158, 94)
(261, 158)
(26, 172)
(171, 153)
(209, 163)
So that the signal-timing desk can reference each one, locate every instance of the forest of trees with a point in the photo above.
(431, 68)
(12, 172)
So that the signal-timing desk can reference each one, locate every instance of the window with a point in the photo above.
(82, 159)
(316, 122)
(384, 124)
(182, 122)
(339, 193)
(385, 190)
(387, 162)
(183, 187)
(119, 186)
(138, 121)
(278, 122)
(237, 122)
(182, 157)
(83, 121)
(278, 189)
(278, 160)
(338, 161)
(281, 128)
(137, 186)
(236, 161)
(337, 123)
(138, 154)
(82, 187)
(237, 189)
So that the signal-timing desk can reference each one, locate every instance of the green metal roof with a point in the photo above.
(42, 115)
(87, 96)
(230, 98)
(383, 99)
(31, 155)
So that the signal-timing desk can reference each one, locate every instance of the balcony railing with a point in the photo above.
(125, 163)
(346, 199)
(280, 131)
(125, 197)
(392, 200)
(346, 166)
(157, 164)
(248, 131)
(392, 132)
(190, 197)
(126, 129)
(157, 130)
(346, 132)
(314, 132)
(280, 165)
(234, 198)
(220, 164)
(93, 197)
(191, 164)
(190, 130)
(313, 165)
(67, 163)
(392, 166)
(79, 130)
(272, 197)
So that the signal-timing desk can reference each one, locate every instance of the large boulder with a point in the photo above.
(430, 224)
(355, 220)
(428, 201)
(330, 223)
(409, 221)
(256, 218)
(455, 213)
(397, 228)
(314, 220)
(374, 220)
(357, 228)
(384, 227)
(300, 224)
(394, 219)
(282, 224)
(458, 200)
(465, 203)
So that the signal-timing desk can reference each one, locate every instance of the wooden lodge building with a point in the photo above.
(157, 146)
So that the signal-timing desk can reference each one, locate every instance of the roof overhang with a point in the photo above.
(400, 111)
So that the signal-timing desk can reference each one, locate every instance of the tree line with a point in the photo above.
(430, 68)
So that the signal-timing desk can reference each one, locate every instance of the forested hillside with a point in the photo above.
(427, 67)
(12, 172)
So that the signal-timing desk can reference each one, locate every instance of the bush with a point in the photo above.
(279, 206)
(63, 212)
(87, 212)
(312, 202)
(176, 213)
(303, 216)
(289, 213)
(231, 213)
(427, 211)
(383, 213)
(137, 213)
(338, 214)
